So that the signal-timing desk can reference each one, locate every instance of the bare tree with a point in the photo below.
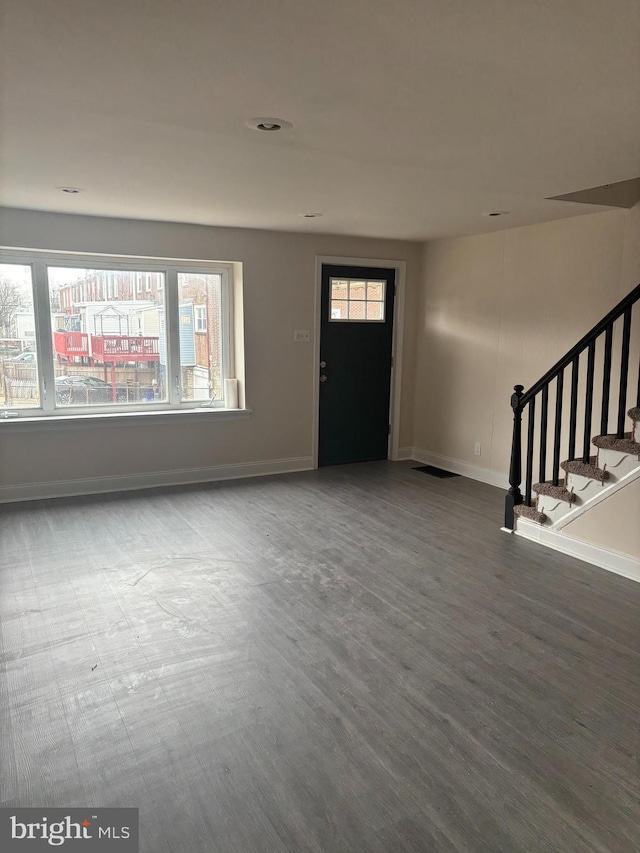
(11, 301)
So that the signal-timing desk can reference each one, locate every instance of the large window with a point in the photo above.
(85, 334)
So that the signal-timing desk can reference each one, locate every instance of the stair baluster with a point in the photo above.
(606, 381)
(544, 426)
(557, 432)
(624, 371)
(573, 406)
(530, 436)
(588, 404)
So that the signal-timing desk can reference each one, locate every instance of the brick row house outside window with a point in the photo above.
(200, 305)
(110, 337)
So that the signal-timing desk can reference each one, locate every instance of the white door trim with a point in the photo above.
(396, 349)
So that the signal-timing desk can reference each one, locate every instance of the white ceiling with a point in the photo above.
(411, 117)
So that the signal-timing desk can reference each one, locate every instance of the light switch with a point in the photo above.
(302, 336)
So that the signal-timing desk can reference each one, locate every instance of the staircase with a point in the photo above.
(567, 469)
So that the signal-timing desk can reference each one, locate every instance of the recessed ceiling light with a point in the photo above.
(70, 190)
(269, 125)
(309, 215)
(496, 213)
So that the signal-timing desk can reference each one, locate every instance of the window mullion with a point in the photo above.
(44, 338)
(228, 367)
(174, 387)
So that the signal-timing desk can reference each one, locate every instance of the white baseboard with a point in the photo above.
(612, 561)
(483, 475)
(404, 453)
(127, 482)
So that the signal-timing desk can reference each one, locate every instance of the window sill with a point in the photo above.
(103, 419)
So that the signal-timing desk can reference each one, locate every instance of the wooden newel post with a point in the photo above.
(514, 495)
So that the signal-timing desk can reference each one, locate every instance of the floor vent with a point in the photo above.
(436, 472)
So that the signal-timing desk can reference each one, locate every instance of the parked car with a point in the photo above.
(26, 356)
(86, 390)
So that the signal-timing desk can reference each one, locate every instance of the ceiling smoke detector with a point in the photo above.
(70, 190)
(269, 125)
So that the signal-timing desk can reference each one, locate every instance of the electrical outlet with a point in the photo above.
(302, 336)
(478, 449)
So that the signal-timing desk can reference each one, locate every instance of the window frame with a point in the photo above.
(39, 260)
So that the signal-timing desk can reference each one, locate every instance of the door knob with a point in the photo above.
(323, 378)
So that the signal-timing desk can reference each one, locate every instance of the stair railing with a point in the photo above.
(521, 400)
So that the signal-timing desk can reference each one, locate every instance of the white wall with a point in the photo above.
(500, 309)
(278, 281)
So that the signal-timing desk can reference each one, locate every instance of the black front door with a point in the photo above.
(356, 336)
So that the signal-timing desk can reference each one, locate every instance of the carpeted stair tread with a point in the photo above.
(530, 512)
(623, 445)
(634, 414)
(584, 469)
(559, 492)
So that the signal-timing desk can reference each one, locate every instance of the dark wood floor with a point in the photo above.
(354, 659)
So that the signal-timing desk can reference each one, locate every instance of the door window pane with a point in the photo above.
(339, 310)
(357, 310)
(339, 289)
(200, 307)
(357, 301)
(19, 388)
(109, 338)
(357, 289)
